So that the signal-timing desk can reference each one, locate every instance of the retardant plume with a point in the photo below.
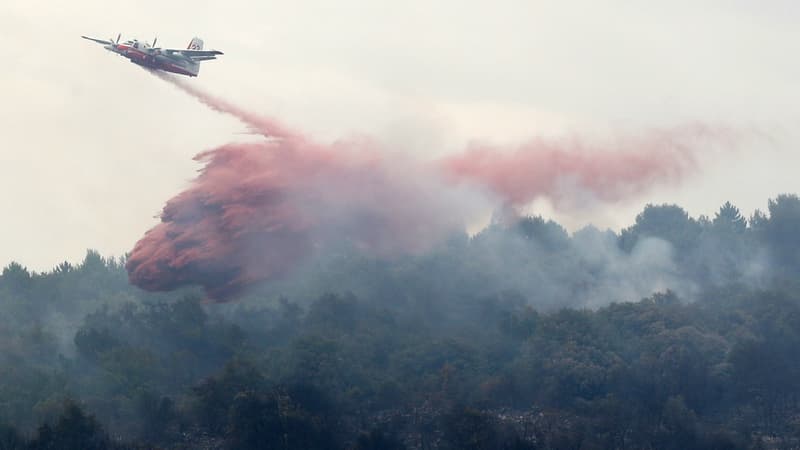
(257, 210)
(568, 171)
(257, 123)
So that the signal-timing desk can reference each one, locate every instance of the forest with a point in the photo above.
(674, 333)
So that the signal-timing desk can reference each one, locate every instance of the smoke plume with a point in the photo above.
(257, 210)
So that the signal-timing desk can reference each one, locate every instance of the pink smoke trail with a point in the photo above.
(562, 169)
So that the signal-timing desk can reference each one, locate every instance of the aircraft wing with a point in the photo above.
(99, 41)
(202, 58)
(192, 53)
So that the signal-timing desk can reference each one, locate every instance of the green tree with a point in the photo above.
(11, 439)
(781, 232)
(158, 414)
(74, 430)
(469, 429)
(16, 278)
(378, 440)
(669, 222)
(730, 219)
(215, 395)
(92, 343)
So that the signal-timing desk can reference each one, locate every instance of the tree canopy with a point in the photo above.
(675, 333)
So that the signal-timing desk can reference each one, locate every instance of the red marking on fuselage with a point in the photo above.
(131, 52)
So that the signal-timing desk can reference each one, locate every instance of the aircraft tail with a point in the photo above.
(195, 44)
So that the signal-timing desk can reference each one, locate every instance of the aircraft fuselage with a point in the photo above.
(156, 61)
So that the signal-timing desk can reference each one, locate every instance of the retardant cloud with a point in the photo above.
(259, 209)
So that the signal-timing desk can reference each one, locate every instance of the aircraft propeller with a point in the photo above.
(154, 41)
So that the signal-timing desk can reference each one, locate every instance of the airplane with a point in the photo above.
(180, 61)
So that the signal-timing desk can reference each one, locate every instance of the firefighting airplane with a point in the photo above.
(183, 62)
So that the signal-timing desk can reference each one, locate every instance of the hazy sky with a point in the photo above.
(92, 146)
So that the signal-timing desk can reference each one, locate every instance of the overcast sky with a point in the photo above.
(92, 146)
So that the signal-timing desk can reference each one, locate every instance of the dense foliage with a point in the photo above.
(675, 333)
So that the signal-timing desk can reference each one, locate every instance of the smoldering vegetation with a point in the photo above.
(676, 332)
(540, 261)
